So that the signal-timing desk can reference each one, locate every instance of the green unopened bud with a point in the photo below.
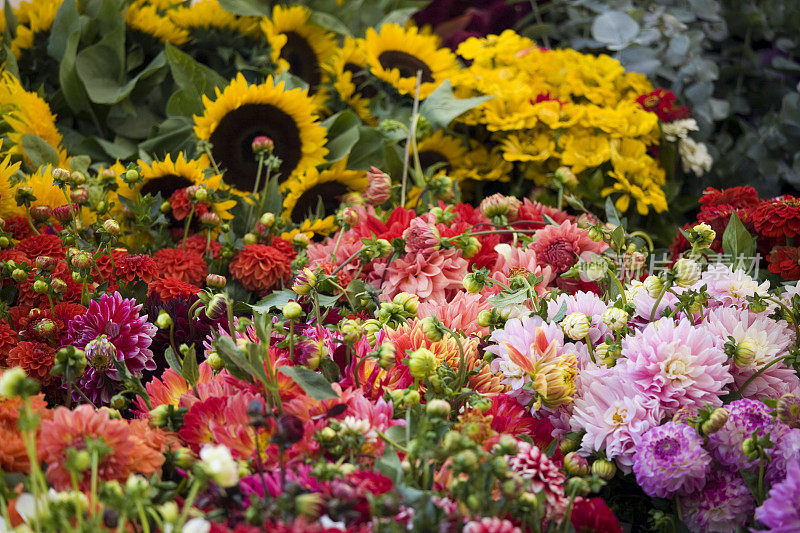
(165, 206)
(788, 410)
(19, 275)
(13, 383)
(576, 326)
(112, 227)
(432, 328)
(40, 286)
(745, 353)
(595, 234)
(159, 416)
(267, 220)
(750, 447)
(715, 421)
(687, 272)
(163, 321)
(305, 282)
(653, 286)
(387, 355)
(472, 284)
(576, 465)
(421, 363)
(292, 310)
(438, 408)
(215, 361)
(131, 176)
(215, 281)
(351, 331)
(701, 236)
(486, 318)
(604, 469)
(465, 461)
(409, 302)
(118, 401)
(250, 238)
(578, 486)
(201, 194)
(615, 318)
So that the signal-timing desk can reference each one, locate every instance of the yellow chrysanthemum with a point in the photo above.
(303, 194)
(482, 165)
(396, 54)
(144, 17)
(309, 228)
(208, 14)
(300, 46)
(25, 112)
(348, 71)
(242, 112)
(32, 17)
(8, 205)
(582, 150)
(166, 177)
(528, 147)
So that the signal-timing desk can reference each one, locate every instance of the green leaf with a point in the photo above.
(194, 81)
(172, 361)
(311, 382)
(615, 29)
(389, 465)
(509, 298)
(737, 241)
(562, 312)
(66, 23)
(398, 16)
(71, 86)
(329, 22)
(172, 135)
(235, 361)
(343, 134)
(102, 74)
(612, 215)
(274, 300)
(327, 301)
(442, 106)
(368, 150)
(190, 370)
(38, 151)
(247, 8)
(256, 362)
(618, 237)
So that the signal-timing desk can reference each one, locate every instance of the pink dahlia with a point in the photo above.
(615, 414)
(542, 474)
(780, 512)
(459, 314)
(728, 287)
(587, 303)
(490, 525)
(515, 261)
(325, 251)
(677, 363)
(724, 504)
(435, 276)
(769, 339)
(671, 460)
(111, 328)
(421, 236)
(560, 246)
(746, 416)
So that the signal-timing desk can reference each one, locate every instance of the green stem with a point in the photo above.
(187, 505)
(263, 196)
(250, 221)
(30, 220)
(207, 150)
(412, 133)
(143, 518)
(389, 441)
(187, 224)
(658, 299)
(591, 349)
(758, 373)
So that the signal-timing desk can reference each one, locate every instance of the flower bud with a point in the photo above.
(421, 363)
(201, 194)
(40, 213)
(63, 213)
(250, 238)
(290, 428)
(216, 307)
(79, 195)
(685, 415)
(604, 469)
(305, 282)
(615, 318)
(301, 240)
(686, 271)
(653, 286)
(46, 328)
(595, 234)
(292, 311)
(19, 275)
(379, 187)
(165, 206)
(701, 236)
(118, 401)
(432, 328)
(578, 485)
(472, 284)
(209, 220)
(576, 326)
(130, 176)
(159, 416)
(750, 447)
(745, 353)
(163, 321)
(788, 409)
(40, 286)
(215, 361)
(465, 461)
(716, 420)
(371, 328)
(309, 505)
(408, 301)
(576, 465)
(349, 217)
(262, 145)
(267, 220)
(486, 318)
(499, 205)
(112, 227)
(351, 331)
(12, 382)
(565, 177)
(215, 281)
(387, 355)
(219, 464)
(58, 285)
(438, 408)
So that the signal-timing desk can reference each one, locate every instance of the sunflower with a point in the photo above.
(445, 149)
(348, 69)
(24, 112)
(209, 15)
(242, 112)
(310, 227)
(396, 54)
(33, 17)
(303, 194)
(300, 46)
(145, 18)
(166, 177)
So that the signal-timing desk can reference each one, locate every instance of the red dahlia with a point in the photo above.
(8, 339)
(260, 268)
(169, 288)
(182, 205)
(592, 515)
(35, 358)
(779, 217)
(736, 197)
(785, 260)
(18, 227)
(126, 267)
(185, 265)
(39, 245)
(197, 243)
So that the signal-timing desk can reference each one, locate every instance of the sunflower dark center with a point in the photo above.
(407, 64)
(360, 80)
(431, 157)
(232, 142)
(166, 185)
(329, 193)
(302, 60)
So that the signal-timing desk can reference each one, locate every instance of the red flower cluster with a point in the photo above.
(662, 103)
(260, 267)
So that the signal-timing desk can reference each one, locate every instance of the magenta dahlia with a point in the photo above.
(671, 460)
(780, 512)
(724, 504)
(111, 328)
(746, 416)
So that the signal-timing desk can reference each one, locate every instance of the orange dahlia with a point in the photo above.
(35, 358)
(169, 288)
(260, 267)
(8, 339)
(185, 265)
(410, 337)
(13, 457)
(71, 429)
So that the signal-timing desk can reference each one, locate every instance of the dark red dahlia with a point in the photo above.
(736, 197)
(785, 260)
(779, 217)
(592, 515)
(41, 245)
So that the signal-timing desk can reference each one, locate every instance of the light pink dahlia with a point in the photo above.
(435, 276)
(730, 288)
(679, 364)
(459, 314)
(421, 235)
(769, 338)
(615, 414)
(560, 246)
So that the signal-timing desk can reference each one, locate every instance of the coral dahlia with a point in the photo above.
(185, 265)
(260, 267)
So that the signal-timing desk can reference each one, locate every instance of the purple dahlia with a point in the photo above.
(746, 416)
(670, 459)
(724, 504)
(110, 329)
(780, 512)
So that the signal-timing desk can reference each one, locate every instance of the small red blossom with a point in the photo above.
(779, 217)
(785, 260)
(662, 103)
(736, 197)
(44, 244)
(182, 205)
(592, 515)
(168, 288)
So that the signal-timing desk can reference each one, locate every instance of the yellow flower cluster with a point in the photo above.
(554, 108)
